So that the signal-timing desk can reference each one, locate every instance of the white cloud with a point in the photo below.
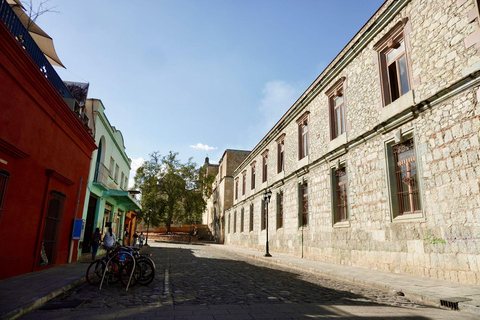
(278, 97)
(136, 163)
(201, 146)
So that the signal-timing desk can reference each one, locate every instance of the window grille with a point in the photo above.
(304, 204)
(280, 210)
(406, 178)
(4, 177)
(341, 194)
(242, 218)
(251, 217)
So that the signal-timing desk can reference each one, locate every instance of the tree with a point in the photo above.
(169, 189)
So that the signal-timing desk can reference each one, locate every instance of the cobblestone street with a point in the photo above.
(202, 282)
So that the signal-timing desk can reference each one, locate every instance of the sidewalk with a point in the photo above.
(453, 295)
(19, 295)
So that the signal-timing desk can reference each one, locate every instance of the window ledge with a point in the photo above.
(414, 217)
(337, 142)
(280, 175)
(303, 162)
(397, 106)
(342, 224)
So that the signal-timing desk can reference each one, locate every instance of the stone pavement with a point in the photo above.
(22, 294)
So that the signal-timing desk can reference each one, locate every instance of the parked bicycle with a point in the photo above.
(120, 266)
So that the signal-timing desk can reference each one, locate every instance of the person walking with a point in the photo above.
(141, 237)
(109, 239)
(95, 242)
(135, 239)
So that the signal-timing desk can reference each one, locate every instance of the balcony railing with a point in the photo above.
(101, 174)
(20, 33)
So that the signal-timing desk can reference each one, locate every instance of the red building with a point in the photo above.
(45, 153)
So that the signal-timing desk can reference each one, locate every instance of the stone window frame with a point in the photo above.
(301, 203)
(336, 90)
(334, 170)
(472, 15)
(280, 209)
(265, 166)
(252, 209)
(303, 138)
(401, 136)
(281, 153)
(252, 175)
(385, 45)
(244, 181)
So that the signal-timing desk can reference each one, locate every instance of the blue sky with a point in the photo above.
(179, 74)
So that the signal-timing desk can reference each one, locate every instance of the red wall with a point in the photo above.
(38, 133)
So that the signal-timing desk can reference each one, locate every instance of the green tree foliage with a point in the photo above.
(170, 190)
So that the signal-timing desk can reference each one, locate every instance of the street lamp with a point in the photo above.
(266, 199)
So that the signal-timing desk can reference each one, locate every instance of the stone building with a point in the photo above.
(222, 191)
(377, 163)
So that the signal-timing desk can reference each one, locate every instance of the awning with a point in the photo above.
(123, 198)
(43, 40)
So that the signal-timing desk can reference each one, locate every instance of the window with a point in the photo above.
(110, 168)
(4, 177)
(236, 188)
(253, 176)
(303, 136)
(244, 181)
(229, 216)
(406, 180)
(264, 215)
(242, 217)
(116, 173)
(52, 228)
(121, 180)
(235, 222)
(265, 166)
(303, 204)
(340, 195)
(251, 217)
(281, 154)
(125, 184)
(279, 210)
(336, 103)
(393, 63)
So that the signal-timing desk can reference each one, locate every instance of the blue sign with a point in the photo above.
(77, 229)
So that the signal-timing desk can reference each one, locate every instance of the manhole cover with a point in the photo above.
(70, 304)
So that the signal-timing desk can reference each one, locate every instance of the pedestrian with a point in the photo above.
(109, 239)
(125, 237)
(141, 237)
(135, 239)
(95, 242)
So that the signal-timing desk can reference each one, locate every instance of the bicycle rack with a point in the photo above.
(131, 273)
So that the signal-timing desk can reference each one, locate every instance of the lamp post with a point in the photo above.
(266, 199)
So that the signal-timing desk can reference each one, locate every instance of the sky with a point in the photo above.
(198, 76)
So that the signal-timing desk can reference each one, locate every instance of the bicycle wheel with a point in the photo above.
(125, 272)
(95, 272)
(147, 272)
(113, 272)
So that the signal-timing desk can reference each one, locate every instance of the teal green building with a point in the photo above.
(107, 198)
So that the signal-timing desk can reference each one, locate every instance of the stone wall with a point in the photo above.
(440, 113)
